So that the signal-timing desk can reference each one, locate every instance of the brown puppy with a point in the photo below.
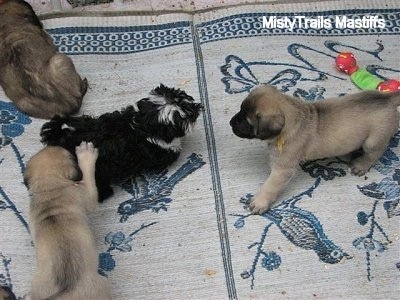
(40, 81)
(67, 260)
(298, 131)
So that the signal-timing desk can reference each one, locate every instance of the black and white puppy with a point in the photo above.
(144, 136)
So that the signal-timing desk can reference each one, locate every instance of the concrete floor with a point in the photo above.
(48, 6)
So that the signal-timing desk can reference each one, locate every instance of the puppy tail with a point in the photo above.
(56, 132)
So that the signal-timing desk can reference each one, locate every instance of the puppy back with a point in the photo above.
(395, 97)
(59, 251)
(67, 268)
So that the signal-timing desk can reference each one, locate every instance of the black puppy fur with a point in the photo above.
(143, 136)
(6, 293)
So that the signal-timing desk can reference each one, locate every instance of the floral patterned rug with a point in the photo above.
(186, 232)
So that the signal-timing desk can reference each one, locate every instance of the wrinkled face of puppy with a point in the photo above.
(260, 115)
(168, 113)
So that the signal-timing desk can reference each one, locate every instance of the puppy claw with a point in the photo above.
(358, 170)
(86, 150)
(258, 206)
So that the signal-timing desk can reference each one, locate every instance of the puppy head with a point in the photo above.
(19, 9)
(260, 115)
(167, 114)
(51, 163)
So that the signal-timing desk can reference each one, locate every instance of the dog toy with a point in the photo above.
(280, 141)
(346, 62)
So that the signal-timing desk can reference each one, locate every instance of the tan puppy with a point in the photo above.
(40, 81)
(67, 260)
(298, 131)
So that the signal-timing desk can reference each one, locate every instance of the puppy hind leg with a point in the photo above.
(87, 155)
(102, 290)
(42, 288)
(38, 108)
(92, 286)
(103, 186)
(373, 148)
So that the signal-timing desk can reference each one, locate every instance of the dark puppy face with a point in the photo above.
(168, 113)
(260, 115)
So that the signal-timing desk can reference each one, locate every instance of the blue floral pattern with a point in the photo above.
(145, 202)
(239, 76)
(12, 123)
(386, 193)
(116, 242)
(300, 227)
(271, 261)
(152, 190)
(5, 278)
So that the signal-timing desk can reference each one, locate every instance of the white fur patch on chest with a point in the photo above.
(175, 144)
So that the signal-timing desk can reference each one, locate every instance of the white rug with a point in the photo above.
(334, 235)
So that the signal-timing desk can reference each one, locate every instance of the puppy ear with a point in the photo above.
(269, 126)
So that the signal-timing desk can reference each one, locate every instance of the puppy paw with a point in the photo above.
(259, 205)
(86, 152)
(358, 169)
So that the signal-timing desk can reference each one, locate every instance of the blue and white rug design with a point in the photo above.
(186, 232)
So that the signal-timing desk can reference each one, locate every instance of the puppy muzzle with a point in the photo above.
(241, 127)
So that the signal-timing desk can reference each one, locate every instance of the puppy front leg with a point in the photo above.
(270, 190)
(87, 155)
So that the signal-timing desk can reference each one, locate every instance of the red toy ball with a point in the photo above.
(390, 85)
(346, 62)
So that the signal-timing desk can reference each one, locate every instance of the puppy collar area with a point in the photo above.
(280, 141)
